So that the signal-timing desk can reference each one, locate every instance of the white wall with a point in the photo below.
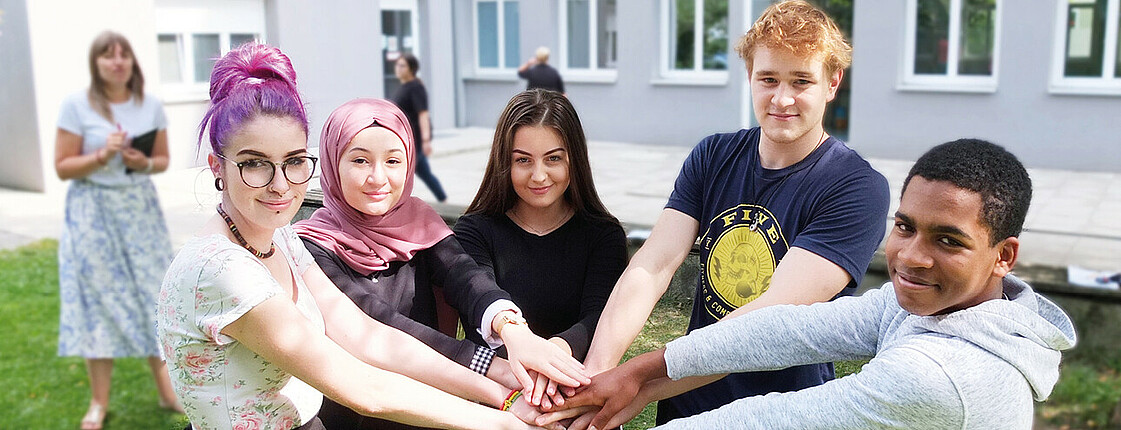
(21, 165)
(439, 52)
(60, 32)
(335, 50)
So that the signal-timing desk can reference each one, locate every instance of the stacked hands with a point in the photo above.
(558, 394)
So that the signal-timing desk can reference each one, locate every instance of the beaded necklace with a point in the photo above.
(241, 239)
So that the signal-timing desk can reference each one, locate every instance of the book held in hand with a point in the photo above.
(144, 142)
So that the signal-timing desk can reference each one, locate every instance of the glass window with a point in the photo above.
(579, 18)
(1085, 37)
(206, 52)
(497, 35)
(170, 66)
(954, 37)
(606, 34)
(512, 36)
(715, 35)
(488, 34)
(681, 28)
(1117, 56)
(932, 30)
(977, 22)
(1087, 55)
(698, 32)
(589, 34)
(953, 45)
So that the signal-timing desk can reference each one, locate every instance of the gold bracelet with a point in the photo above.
(516, 319)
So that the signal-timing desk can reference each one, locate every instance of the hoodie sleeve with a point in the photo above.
(903, 388)
(782, 336)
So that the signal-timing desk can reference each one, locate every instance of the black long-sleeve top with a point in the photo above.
(561, 281)
(402, 295)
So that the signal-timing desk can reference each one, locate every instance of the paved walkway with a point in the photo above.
(1073, 218)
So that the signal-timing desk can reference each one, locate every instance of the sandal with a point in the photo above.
(94, 417)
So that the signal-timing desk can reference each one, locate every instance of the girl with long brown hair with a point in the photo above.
(538, 225)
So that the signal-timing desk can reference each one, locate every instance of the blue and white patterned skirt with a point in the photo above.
(112, 256)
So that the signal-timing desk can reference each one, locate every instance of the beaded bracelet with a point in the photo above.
(510, 399)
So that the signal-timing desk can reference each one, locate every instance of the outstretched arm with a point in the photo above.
(801, 278)
(277, 331)
(767, 339)
(900, 388)
(370, 300)
(643, 282)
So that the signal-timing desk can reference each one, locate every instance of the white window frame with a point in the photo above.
(186, 19)
(501, 72)
(185, 48)
(1107, 84)
(951, 81)
(593, 73)
(697, 76)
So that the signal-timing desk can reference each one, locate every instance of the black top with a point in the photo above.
(402, 297)
(542, 76)
(412, 99)
(561, 281)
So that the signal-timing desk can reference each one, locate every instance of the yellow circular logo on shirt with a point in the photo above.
(738, 258)
(740, 265)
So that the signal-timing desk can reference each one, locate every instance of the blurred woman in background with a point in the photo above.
(114, 248)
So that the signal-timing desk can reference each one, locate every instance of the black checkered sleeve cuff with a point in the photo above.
(480, 363)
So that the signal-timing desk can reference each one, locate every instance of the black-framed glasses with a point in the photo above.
(259, 172)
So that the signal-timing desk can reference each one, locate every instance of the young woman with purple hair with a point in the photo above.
(252, 329)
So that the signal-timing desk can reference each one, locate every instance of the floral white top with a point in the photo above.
(222, 384)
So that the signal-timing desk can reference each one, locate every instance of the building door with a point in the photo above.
(837, 112)
(398, 30)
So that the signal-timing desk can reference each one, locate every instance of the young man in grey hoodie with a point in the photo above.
(955, 340)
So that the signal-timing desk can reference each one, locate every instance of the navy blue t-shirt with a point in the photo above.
(832, 203)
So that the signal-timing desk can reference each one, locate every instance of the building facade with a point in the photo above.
(1042, 78)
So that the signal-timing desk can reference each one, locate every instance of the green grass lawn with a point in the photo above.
(42, 391)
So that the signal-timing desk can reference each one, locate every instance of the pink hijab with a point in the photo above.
(369, 243)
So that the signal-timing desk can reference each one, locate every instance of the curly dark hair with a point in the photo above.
(987, 169)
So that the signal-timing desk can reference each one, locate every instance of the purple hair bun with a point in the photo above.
(250, 80)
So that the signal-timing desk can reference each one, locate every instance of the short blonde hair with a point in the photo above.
(800, 28)
(542, 54)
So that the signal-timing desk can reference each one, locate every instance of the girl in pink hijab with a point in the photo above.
(388, 251)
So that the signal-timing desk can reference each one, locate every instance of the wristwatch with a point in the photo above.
(509, 318)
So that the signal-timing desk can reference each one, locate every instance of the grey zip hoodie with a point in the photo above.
(977, 368)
